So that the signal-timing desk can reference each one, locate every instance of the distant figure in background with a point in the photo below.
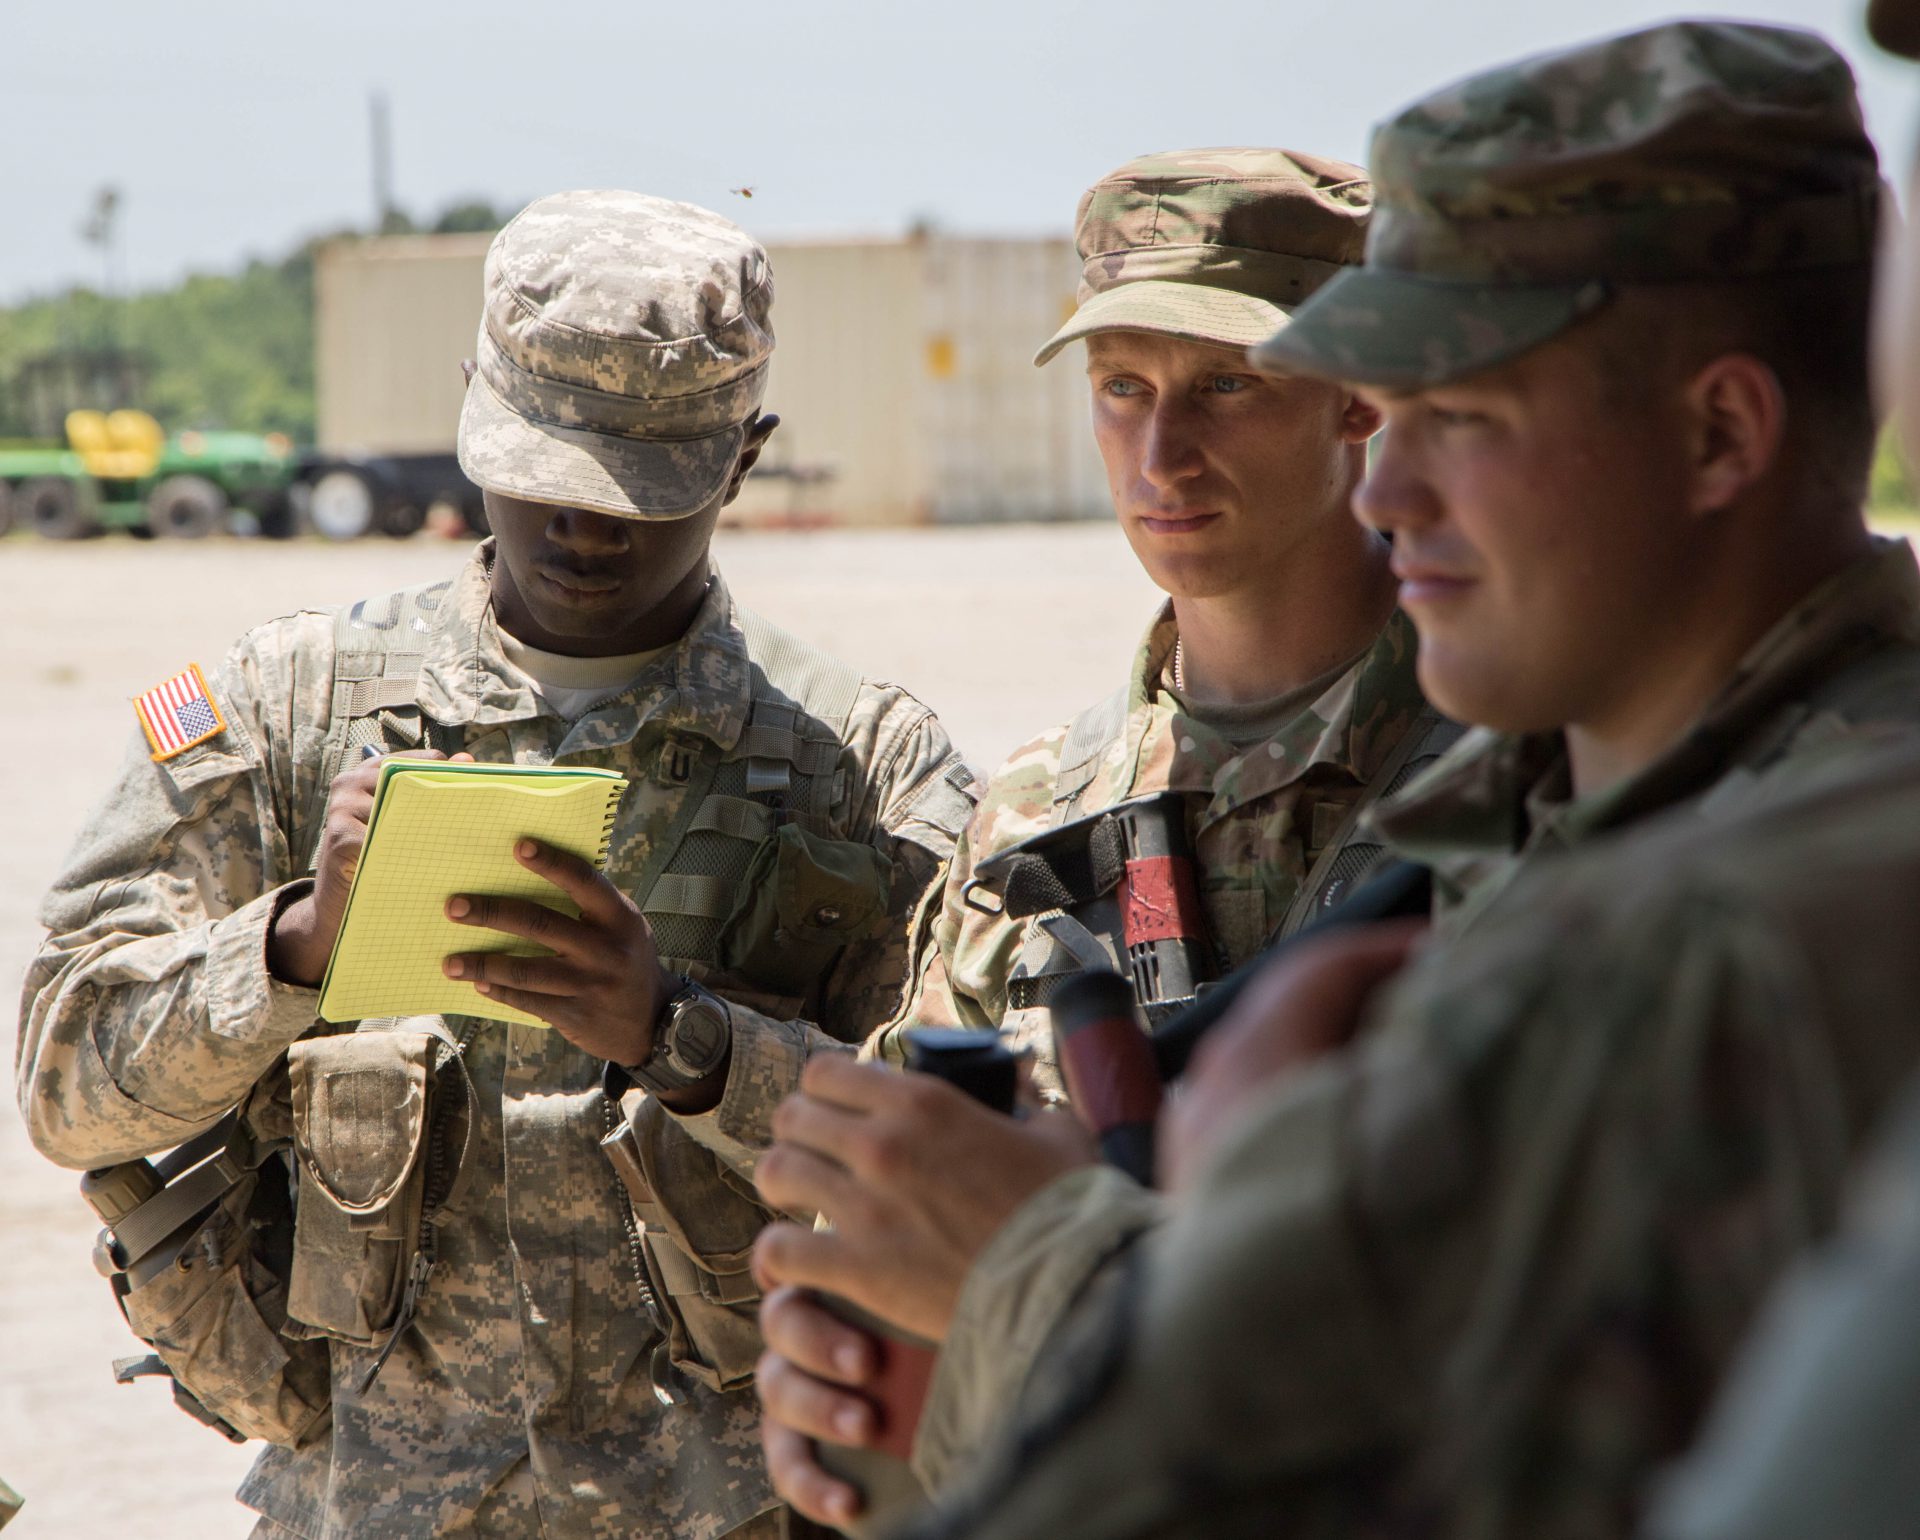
(1273, 700)
(489, 1329)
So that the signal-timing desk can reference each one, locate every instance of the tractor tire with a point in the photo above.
(51, 505)
(343, 505)
(6, 507)
(279, 519)
(186, 508)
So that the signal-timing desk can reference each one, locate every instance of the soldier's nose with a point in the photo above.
(587, 533)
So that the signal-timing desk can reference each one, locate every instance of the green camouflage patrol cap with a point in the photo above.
(1508, 204)
(624, 344)
(1895, 26)
(1212, 245)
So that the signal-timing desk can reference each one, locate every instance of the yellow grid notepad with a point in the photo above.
(440, 829)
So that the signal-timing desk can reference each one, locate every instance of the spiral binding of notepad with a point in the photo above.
(606, 829)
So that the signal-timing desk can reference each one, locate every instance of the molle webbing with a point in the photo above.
(1068, 872)
(785, 765)
(379, 649)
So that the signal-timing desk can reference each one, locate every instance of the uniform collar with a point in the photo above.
(701, 686)
(1347, 732)
(1496, 794)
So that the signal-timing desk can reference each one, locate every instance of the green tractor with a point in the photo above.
(118, 470)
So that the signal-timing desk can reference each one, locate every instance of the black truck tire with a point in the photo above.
(398, 520)
(51, 505)
(186, 508)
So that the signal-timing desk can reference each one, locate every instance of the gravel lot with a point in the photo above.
(1003, 631)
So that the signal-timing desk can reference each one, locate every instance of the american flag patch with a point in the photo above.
(177, 714)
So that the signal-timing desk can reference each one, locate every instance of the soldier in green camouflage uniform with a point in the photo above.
(549, 1378)
(1478, 1274)
(1213, 247)
(1189, 257)
(1813, 1435)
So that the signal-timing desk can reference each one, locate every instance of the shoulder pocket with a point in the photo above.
(802, 899)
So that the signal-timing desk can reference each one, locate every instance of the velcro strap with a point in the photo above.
(1063, 875)
(127, 1370)
(734, 816)
(196, 1149)
(767, 776)
(363, 697)
(762, 740)
(171, 1207)
(704, 898)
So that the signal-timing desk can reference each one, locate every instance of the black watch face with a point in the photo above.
(699, 1037)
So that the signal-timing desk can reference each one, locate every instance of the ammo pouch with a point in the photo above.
(379, 1148)
(802, 898)
(196, 1251)
(699, 1269)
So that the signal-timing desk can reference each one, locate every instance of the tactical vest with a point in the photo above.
(1082, 929)
(199, 1243)
(783, 771)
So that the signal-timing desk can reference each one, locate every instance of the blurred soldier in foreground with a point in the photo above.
(510, 1339)
(1479, 1273)
(1274, 695)
(1816, 1433)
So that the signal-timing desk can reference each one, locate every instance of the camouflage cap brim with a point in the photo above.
(630, 478)
(1197, 312)
(1396, 331)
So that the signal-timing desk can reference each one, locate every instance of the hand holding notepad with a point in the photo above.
(439, 829)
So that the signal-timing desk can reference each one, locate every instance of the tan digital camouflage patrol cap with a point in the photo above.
(1507, 205)
(624, 343)
(1212, 245)
(1895, 26)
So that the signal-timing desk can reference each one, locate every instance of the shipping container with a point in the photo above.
(903, 378)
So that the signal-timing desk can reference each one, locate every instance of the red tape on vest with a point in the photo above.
(1159, 902)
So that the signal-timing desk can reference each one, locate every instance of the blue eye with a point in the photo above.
(1229, 384)
(1121, 387)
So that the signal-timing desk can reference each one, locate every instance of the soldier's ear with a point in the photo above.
(1737, 421)
(758, 432)
(1359, 420)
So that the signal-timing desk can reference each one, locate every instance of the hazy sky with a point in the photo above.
(235, 128)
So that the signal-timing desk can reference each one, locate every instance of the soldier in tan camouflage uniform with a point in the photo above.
(1478, 1273)
(1275, 691)
(529, 1363)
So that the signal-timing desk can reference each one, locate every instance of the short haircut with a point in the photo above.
(1811, 329)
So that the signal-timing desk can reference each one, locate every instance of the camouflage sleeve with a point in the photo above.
(918, 795)
(149, 1011)
(961, 957)
(1030, 1277)
(1535, 1209)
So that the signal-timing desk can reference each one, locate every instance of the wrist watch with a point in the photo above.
(689, 1043)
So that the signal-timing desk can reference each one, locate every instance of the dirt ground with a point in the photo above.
(1003, 631)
